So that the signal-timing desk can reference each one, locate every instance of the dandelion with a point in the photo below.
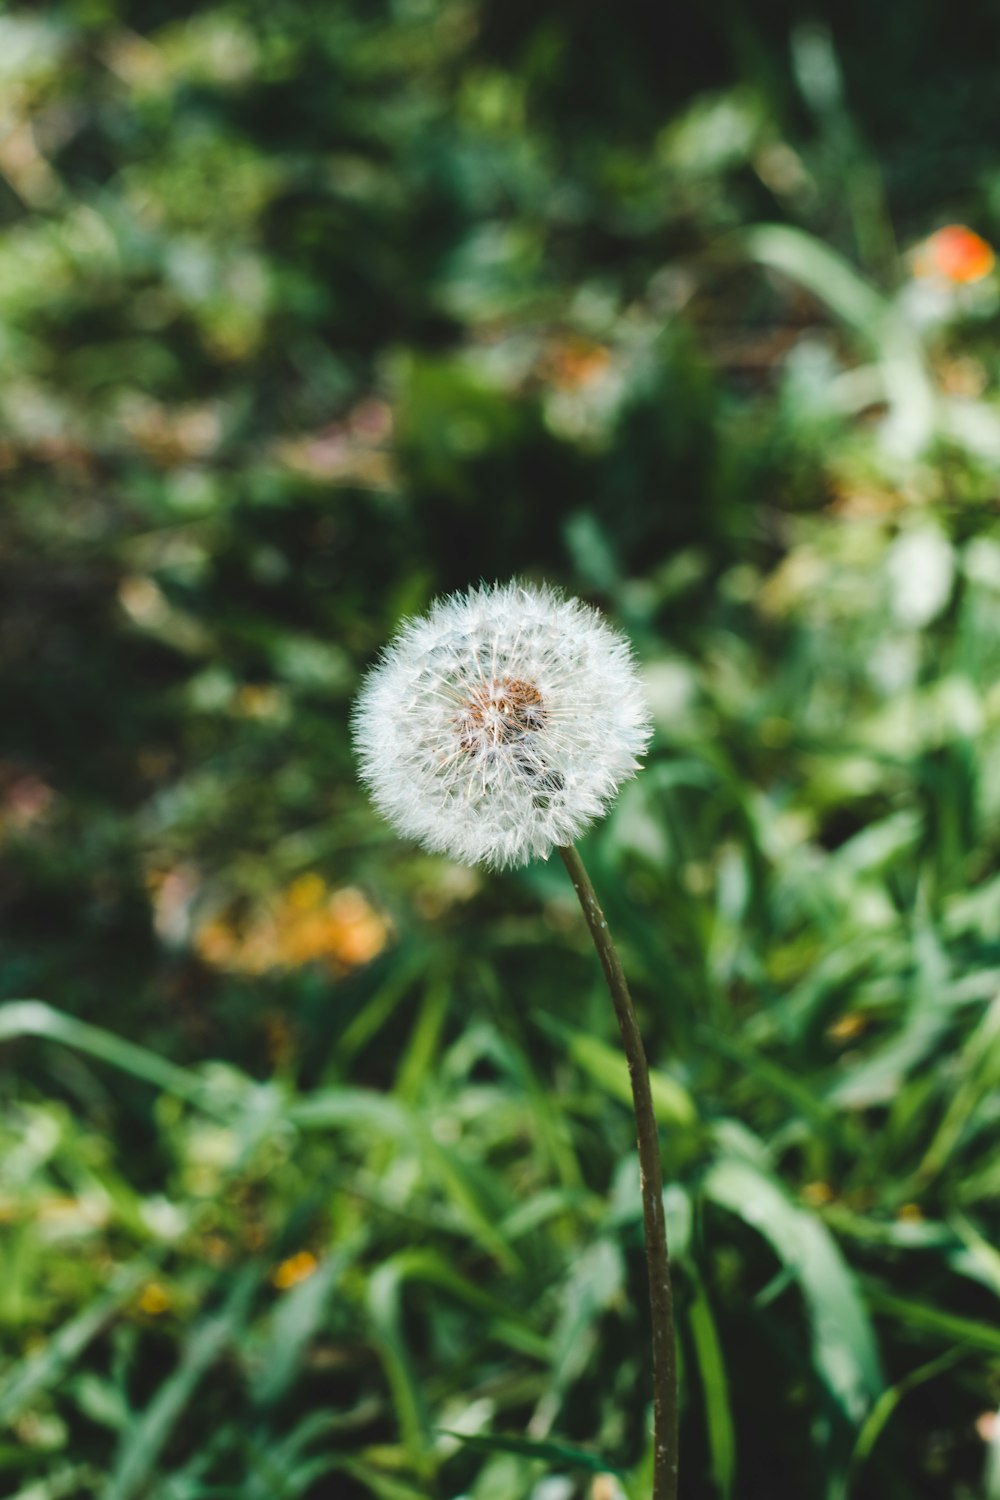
(500, 725)
(496, 729)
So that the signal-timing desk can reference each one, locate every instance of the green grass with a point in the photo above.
(317, 1172)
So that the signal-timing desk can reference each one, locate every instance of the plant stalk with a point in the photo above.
(661, 1301)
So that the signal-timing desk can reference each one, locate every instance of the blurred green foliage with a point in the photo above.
(316, 1150)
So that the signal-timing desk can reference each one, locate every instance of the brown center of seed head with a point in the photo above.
(500, 712)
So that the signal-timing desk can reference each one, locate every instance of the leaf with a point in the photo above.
(507, 1324)
(50, 1364)
(879, 1076)
(805, 1099)
(718, 1412)
(472, 1191)
(296, 1319)
(425, 1037)
(843, 1344)
(977, 1074)
(33, 1018)
(950, 1326)
(906, 383)
(462, 1181)
(608, 1068)
(371, 1018)
(139, 1454)
(552, 1451)
(345, 1106)
(890, 1399)
(803, 258)
(385, 1290)
(594, 1281)
(384, 1486)
(61, 1483)
(384, 1297)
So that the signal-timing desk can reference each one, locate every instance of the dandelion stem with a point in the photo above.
(661, 1302)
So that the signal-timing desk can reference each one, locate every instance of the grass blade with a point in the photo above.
(43, 1369)
(139, 1455)
(33, 1018)
(718, 1412)
(552, 1451)
(843, 1344)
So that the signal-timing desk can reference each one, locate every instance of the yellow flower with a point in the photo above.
(154, 1300)
(293, 1270)
(305, 923)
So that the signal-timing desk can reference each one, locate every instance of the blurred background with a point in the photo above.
(316, 1149)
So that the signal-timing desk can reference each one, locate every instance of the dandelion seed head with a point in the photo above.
(500, 724)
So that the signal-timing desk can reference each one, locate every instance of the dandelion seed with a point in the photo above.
(501, 724)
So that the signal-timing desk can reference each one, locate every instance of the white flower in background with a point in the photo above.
(921, 566)
(501, 724)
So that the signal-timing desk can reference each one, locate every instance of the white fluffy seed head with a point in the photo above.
(501, 724)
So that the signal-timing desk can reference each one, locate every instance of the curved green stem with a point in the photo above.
(661, 1301)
